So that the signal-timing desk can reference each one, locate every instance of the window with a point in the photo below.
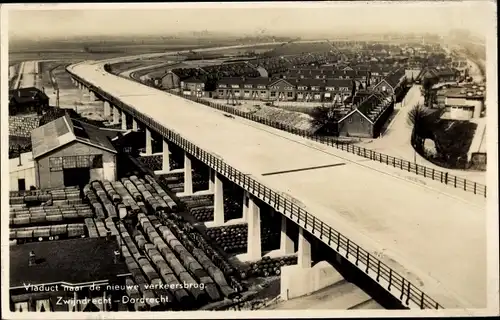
(262, 92)
(350, 120)
(221, 92)
(82, 162)
(55, 164)
(69, 162)
(96, 161)
(361, 120)
(273, 93)
(21, 184)
(289, 94)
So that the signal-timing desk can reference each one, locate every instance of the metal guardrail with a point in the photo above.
(408, 294)
(426, 172)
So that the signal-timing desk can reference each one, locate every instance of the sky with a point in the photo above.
(51, 21)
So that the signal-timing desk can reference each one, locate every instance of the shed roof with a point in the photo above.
(65, 130)
(72, 261)
(26, 95)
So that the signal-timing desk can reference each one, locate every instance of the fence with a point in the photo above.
(408, 293)
(426, 172)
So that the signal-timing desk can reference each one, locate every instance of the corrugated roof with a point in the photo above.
(93, 135)
(64, 130)
(52, 135)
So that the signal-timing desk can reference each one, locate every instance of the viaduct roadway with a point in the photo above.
(435, 240)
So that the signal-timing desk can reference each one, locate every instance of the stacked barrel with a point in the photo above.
(48, 214)
(137, 264)
(175, 181)
(52, 232)
(201, 250)
(270, 266)
(52, 214)
(233, 238)
(56, 196)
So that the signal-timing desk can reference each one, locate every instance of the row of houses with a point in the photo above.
(293, 89)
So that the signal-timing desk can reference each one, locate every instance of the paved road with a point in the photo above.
(416, 229)
(396, 140)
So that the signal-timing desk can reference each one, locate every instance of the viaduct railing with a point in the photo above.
(401, 288)
(426, 172)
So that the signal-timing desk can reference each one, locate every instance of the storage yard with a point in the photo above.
(162, 241)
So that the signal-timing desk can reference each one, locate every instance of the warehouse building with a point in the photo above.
(27, 100)
(68, 152)
(66, 275)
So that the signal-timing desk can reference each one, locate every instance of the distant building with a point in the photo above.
(367, 117)
(68, 152)
(444, 75)
(66, 269)
(193, 87)
(462, 103)
(27, 100)
(393, 84)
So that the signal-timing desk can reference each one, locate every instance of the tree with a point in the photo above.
(429, 94)
(324, 117)
(424, 121)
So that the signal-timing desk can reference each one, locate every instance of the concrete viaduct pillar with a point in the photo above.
(116, 115)
(107, 109)
(134, 125)
(254, 244)
(304, 259)
(124, 121)
(188, 175)
(149, 143)
(304, 278)
(287, 246)
(211, 179)
(165, 167)
(218, 201)
(91, 96)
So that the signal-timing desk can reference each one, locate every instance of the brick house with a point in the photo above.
(193, 87)
(393, 84)
(242, 88)
(368, 117)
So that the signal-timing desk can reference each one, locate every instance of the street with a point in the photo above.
(396, 140)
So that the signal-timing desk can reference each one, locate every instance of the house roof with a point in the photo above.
(27, 95)
(371, 107)
(72, 261)
(243, 81)
(395, 78)
(65, 130)
(339, 83)
(193, 80)
(310, 82)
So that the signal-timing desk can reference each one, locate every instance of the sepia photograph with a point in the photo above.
(210, 160)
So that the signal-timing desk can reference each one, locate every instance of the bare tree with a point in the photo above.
(324, 116)
(424, 120)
